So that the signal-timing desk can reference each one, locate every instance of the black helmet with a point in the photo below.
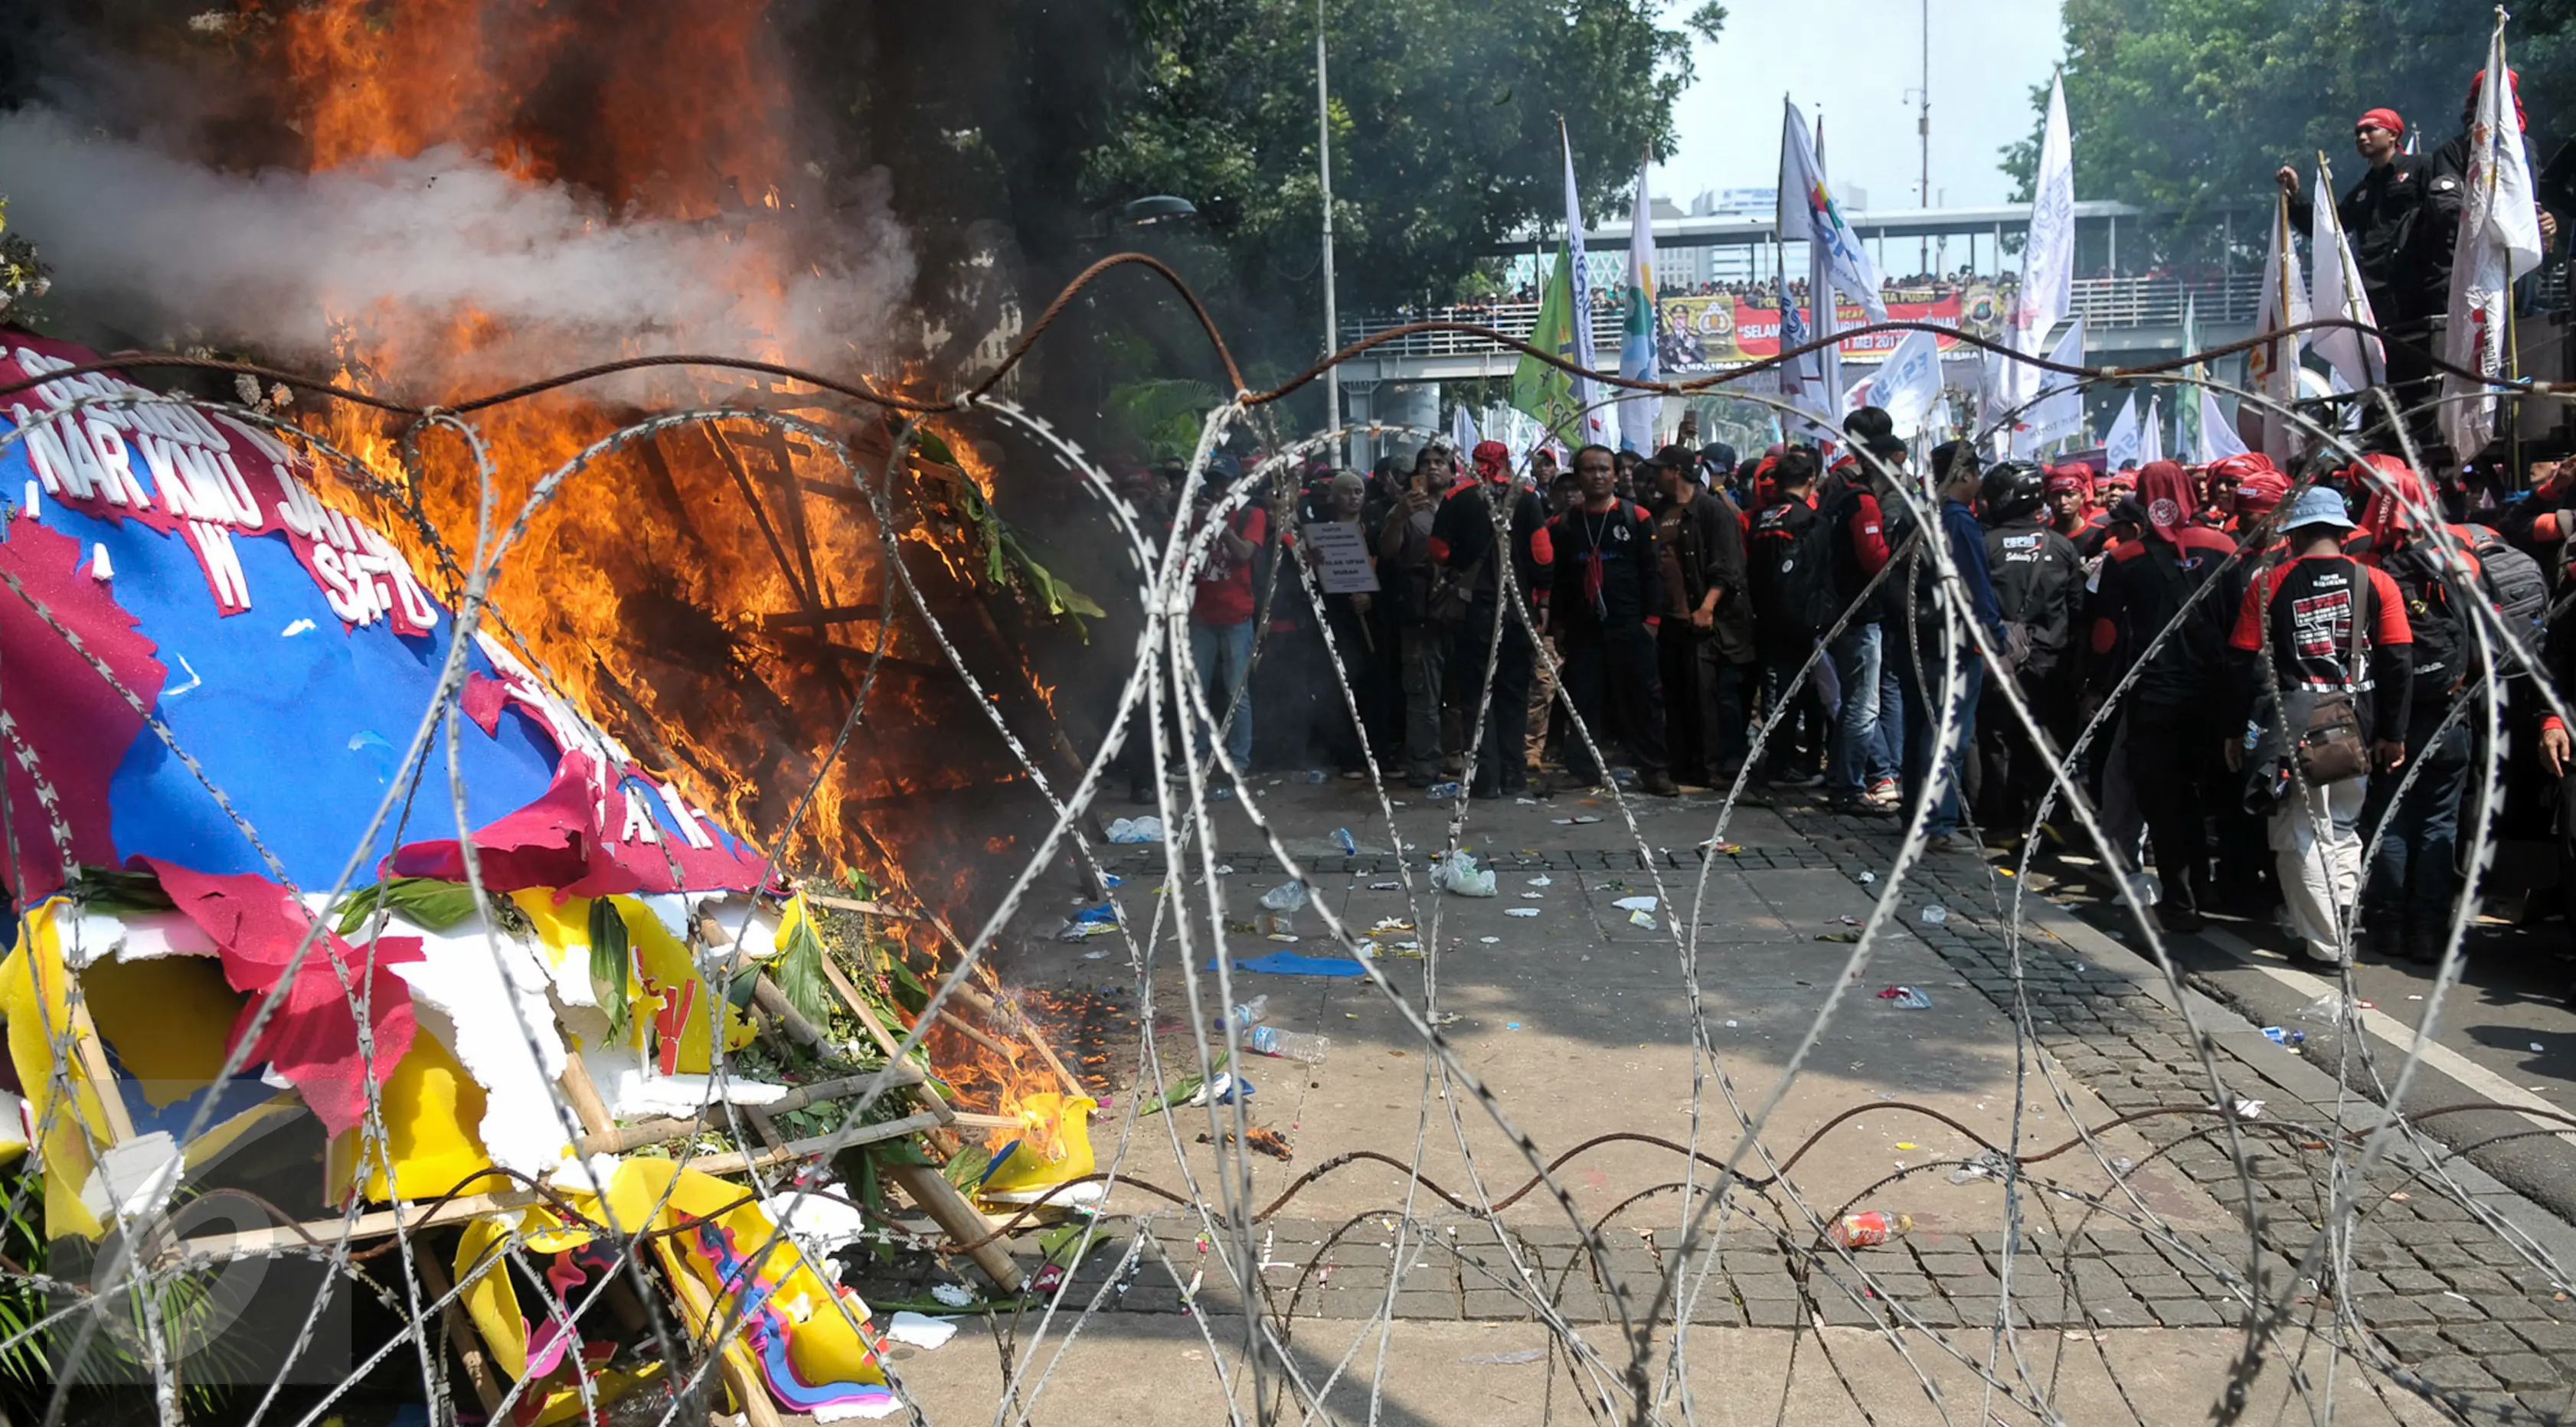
(2011, 490)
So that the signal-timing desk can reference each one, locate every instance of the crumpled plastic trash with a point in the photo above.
(1907, 998)
(1520, 911)
(1144, 829)
(1286, 897)
(1458, 872)
(1989, 1164)
(1635, 904)
(1936, 914)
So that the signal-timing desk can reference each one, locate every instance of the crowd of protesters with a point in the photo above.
(2261, 729)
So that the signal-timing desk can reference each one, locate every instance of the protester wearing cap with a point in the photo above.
(1602, 608)
(2146, 584)
(2318, 625)
(1704, 641)
(1406, 570)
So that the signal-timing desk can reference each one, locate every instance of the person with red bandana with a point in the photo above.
(2406, 904)
(2143, 585)
(2328, 624)
(1463, 541)
(2069, 492)
(1603, 611)
(1781, 641)
(2378, 213)
(2446, 197)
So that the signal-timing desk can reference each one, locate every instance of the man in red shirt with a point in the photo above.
(2328, 625)
(1221, 608)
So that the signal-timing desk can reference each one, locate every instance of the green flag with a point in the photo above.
(2187, 443)
(1547, 393)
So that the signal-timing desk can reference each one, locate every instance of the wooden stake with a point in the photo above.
(461, 1331)
(958, 1219)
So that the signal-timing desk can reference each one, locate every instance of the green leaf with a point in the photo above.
(800, 974)
(967, 1165)
(116, 892)
(1182, 1089)
(608, 960)
(426, 901)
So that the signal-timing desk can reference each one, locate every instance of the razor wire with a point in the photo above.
(1164, 683)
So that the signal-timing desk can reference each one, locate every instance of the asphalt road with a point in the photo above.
(2503, 1033)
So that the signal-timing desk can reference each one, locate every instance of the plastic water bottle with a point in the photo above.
(1247, 1013)
(1441, 792)
(1287, 1045)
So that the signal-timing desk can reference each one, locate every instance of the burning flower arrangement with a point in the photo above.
(23, 275)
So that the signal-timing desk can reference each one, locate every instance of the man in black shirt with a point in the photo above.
(2039, 589)
(1606, 554)
(1462, 541)
(2378, 213)
(1705, 639)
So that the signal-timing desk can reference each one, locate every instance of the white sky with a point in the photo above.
(1986, 55)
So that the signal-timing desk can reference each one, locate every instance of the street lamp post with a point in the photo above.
(1324, 168)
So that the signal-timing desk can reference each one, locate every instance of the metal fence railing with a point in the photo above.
(2106, 304)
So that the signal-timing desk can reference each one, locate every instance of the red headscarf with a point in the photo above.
(2399, 500)
(2513, 80)
(2062, 479)
(1492, 460)
(2260, 489)
(2383, 119)
(2165, 492)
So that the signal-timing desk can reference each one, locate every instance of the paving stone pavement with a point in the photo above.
(2435, 1283)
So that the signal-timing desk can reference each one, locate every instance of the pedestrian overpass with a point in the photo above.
(1717, 322)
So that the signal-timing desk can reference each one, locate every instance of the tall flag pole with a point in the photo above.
(2187, 412)
(1542, 389)
(2047, 287)
(1638, 410)
(1595, 427)
(2273, 368)
(2499, 242)
(1835, 260)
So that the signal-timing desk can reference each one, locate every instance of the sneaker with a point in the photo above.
(1860, 808)
(1805, 778)
(2328, 958)
(1941, 843)
(1661, 784)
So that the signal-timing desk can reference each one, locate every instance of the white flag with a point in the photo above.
(2499, 242)
(2273, 368)
(2058, 413)
(1638, 410)
(2121, 449)
(2048, 260)
(1908, 384)
(1808, 211)
(1596, 423)
(1812, 383)
(2218, 439)
(1462, 433)
(2337, 292)
(2151, 435)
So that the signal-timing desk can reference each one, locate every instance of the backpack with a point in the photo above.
(2515, 581)
(1804, 598)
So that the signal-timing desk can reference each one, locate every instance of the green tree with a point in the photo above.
(1445, 118)
(2192, 104)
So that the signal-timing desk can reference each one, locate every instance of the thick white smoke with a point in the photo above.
(411, 251)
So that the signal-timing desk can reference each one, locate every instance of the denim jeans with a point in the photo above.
(1855, 656)
(2416, 875)
(1887, 750)
(1222, 655)
(1923, 724)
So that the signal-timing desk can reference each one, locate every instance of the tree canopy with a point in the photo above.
(2191, 104)
(1445, 118)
